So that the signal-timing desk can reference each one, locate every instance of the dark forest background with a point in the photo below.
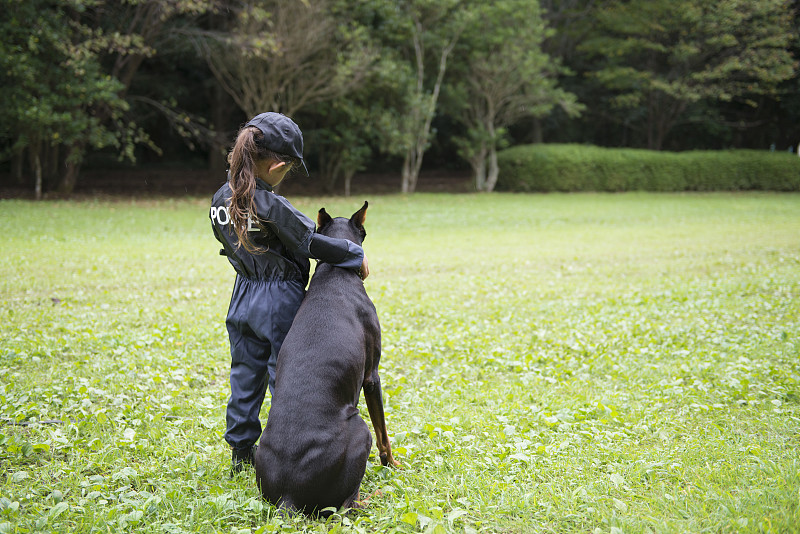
(405, 91)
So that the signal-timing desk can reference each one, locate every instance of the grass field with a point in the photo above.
(551, 363)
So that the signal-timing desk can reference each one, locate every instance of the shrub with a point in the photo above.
(589, 168)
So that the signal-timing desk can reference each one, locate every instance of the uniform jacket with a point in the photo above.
(286, 239)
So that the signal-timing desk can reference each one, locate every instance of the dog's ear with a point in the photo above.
(323, 218)
(360, 216)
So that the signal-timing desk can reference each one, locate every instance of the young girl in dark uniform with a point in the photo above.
(269, 244)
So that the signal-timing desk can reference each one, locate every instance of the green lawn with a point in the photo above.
(551, 363)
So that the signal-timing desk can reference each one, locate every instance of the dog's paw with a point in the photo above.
(387, 460)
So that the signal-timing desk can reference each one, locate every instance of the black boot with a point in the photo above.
(242, 456)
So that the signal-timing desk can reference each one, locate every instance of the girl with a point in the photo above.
(269, 244)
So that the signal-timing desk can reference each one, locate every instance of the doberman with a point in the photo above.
(315, 446)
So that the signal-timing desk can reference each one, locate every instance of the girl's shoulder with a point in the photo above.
(278, 209)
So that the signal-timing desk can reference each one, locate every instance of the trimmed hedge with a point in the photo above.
(544, 167)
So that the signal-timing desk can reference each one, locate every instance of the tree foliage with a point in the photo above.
(425, 32)
(67, 66)
(502, 77)
(381, 79)
(53, 83)
(288, 56)
(361, 122)
(662, 56)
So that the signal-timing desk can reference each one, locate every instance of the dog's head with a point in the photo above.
(339, 227)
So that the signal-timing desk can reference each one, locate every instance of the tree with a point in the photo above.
(372, 118)
(67, 66)
(659, 57)
(503, 76)
(365, 121)
(53, 82)
(125, 35)
(286, 56)
(432, 29)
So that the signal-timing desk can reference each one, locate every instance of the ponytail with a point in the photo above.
(249, 148)
(242, 208)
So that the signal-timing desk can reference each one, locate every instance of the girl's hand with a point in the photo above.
(364, 269)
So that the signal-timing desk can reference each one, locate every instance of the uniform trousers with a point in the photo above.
(259, 317)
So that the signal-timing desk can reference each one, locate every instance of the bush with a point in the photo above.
(589, 168)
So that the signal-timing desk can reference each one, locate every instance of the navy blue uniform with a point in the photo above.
(270, 285)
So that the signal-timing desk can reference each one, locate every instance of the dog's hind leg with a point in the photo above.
(353, 501)
(374, 397)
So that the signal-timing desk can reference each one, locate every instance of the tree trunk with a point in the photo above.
(416, 160)
(662, 113)
(478, 163)
(348, 179)
(494, 170)
(36, 167)
(536, 132)
(479, 168)
(425, 112)
(70, 178)
(405, 186)
(72, 168)
(651, 127)
(330, 165)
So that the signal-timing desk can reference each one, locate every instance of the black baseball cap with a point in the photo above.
(281, 134)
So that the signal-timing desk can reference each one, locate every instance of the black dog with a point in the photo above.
(314, 450)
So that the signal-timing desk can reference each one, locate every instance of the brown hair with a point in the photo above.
(249, 148)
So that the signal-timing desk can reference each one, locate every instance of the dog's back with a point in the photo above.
(314, 449)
